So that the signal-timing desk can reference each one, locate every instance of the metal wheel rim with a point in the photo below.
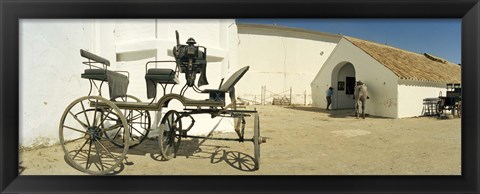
(71, 159)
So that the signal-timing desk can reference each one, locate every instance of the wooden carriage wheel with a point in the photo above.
(138, 121)
(81, 133)
(169, 134)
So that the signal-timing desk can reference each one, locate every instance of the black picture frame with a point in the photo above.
(11, 11)
(341, 86)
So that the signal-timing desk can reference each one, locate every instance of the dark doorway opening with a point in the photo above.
(350, 85)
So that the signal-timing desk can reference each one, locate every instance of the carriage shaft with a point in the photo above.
(217, 138)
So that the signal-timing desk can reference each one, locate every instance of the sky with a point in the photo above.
(439, 37)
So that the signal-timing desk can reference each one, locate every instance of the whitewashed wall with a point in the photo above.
(280, 58)
(50, 64)
(382, 84)
(412, 93)
(50, 68)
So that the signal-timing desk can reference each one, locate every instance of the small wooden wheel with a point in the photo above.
(138, 121)
(169, 134)
(81, 133)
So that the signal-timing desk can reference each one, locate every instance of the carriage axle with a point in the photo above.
(262, 139)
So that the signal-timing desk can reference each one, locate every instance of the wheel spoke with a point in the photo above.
(104, 148)
(96, 165)
(88, 155)
(99, 158)
(86, 141)
(169, 125)
(112, 127)
(85, 113)
(239, 164)
(123, 137)
(245, 156)
(136, 117)
(103, 119)
(129, 114)
(113, 119)
(136, 130)
(116, 134)
(141, 123)
(249, 162)
(75, 129)
(78, 120)
(248, 166)
(95, 113)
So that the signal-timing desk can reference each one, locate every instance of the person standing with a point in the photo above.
(329, 97)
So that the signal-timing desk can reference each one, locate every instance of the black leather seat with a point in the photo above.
(100, 74)
(231, 81)
(159, 76)
(162, 76)
(227, 87)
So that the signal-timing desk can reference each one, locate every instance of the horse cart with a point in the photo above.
(96, 133)
(452, 101)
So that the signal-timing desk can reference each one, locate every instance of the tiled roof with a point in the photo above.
(409, 65)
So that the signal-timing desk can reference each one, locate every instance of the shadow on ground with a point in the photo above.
(189, 148)
(338, 113)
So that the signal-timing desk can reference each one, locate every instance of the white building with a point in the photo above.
(397, 80)
(280, 58)
(50, 64)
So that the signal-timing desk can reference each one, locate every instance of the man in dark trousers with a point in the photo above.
(329, 97)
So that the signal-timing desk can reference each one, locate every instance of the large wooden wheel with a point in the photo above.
(169, 134)
(138, 121)
(81, 133)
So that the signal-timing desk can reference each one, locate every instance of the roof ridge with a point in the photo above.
(281, 27)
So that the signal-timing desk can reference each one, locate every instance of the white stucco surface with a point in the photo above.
(50, 67)
(411, 95)
(381, 82)
(281, 58)
(50, 64)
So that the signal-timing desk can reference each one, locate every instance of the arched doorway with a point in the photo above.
(343, 80)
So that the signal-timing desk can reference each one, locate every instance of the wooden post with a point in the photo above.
(262, 100)
(305, 97)
(290, 95)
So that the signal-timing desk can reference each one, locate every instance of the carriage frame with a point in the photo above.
(124, 121)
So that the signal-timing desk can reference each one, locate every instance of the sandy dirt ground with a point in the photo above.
(300, 141)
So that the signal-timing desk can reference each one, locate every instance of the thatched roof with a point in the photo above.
(409, 65)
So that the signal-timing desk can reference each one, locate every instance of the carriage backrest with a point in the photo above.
(232, 80)
(94, 57)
